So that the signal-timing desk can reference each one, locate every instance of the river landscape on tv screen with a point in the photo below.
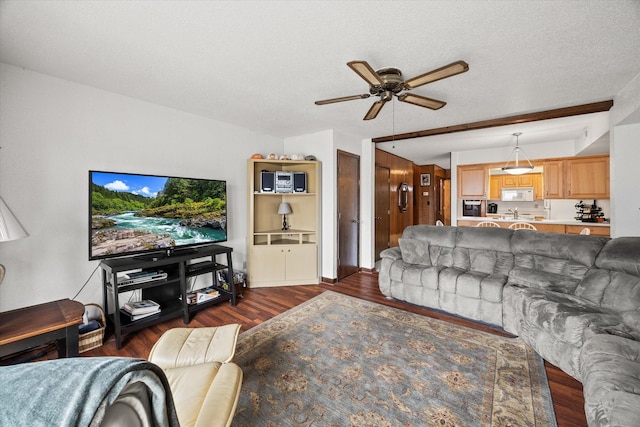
(133, 213)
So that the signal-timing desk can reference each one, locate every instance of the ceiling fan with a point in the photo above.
(387, 82)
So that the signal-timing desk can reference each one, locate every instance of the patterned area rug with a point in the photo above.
(337, 360)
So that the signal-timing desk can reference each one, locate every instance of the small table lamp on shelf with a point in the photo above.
(10, 229)
(284, 209)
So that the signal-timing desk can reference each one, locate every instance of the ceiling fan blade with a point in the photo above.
(364, 70)
(374, 110)
(421, 101)
(344, 98)
(441, 73)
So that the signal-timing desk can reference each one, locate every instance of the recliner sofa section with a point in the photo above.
(575, 299)
(459, 270)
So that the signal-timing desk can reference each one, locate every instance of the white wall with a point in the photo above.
(321, 145)
(625, 157)
(53, 131)
(625, 179)
(324, 146)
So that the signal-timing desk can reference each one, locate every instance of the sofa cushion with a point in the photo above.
(440, 240)
(472, 284)
(414, 251)
(611, 382)
(576, 248)
(414, 275)
(552, 261)
(614, 290)
(566, 317)
(621, 254)
(541, 279)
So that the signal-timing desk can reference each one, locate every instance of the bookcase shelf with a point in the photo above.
(169, 292)
(279, 257)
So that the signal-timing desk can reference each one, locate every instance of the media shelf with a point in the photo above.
(171, 291)
(279, 257)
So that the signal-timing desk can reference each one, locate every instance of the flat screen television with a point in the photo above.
(135, 214)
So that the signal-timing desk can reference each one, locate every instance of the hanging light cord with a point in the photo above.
(393, 122)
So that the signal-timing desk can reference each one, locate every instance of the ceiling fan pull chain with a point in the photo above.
(393, 122)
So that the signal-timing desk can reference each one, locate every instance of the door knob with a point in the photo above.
(355, 221)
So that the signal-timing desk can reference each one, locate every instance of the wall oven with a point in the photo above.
(471, 208)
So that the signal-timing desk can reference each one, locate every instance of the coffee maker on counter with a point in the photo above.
(492, 208)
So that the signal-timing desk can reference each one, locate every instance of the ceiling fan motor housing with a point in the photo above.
(392, 81)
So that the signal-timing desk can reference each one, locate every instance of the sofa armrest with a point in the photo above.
(391, 253)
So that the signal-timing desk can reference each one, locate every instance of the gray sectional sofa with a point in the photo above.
(575, 299)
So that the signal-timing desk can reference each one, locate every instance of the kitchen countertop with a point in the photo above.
(570, 221)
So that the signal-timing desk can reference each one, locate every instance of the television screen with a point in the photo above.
(133, 213)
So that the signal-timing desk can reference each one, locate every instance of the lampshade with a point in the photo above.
(515, 168)
(284, 209)
(10, 228)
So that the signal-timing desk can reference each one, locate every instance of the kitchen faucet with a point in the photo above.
(514, 211)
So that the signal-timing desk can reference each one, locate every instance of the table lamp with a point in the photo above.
(284, 209)
(10, 229)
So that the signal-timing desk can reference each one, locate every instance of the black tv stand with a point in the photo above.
(171, 291)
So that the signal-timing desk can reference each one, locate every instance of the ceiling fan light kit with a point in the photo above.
(387, 82)
(516, 168)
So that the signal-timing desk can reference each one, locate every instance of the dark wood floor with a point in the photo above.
(260, 304)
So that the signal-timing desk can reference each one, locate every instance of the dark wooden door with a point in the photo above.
(382, 214)
(348, 214)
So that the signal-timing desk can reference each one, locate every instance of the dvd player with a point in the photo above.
(126, 280)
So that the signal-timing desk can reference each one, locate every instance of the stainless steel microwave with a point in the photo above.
(521, 194)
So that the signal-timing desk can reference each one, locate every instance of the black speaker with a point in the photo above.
(299, 182)
(267, 182)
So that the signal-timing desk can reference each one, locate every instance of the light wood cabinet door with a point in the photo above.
(472, 182)
(538, 191)
(278, 265)
(525, 180)
(301, 262)
(588, 178)
(267, 264)
(593, 230)
(553, 179)
(495, 187)
(509, 181)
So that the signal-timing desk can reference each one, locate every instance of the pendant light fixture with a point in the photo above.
(515, 168)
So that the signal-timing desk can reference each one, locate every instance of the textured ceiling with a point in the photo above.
(261, 65)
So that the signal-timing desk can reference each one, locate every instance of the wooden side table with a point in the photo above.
(28, 327)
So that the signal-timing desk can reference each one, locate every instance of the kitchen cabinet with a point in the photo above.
(577, 178)
(498, 182)
(279, 264)
(546, 227)
(553, 179)
(472, 182)
(495, 187)
(594, 230)
(515, 181)
(538, 189)
(588, 178)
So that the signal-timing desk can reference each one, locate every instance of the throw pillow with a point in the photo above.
(414, 251)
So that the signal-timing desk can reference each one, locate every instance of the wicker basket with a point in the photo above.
(90, 340)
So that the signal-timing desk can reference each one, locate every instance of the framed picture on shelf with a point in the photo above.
(425, 179)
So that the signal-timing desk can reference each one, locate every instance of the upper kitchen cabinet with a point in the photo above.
(577, 178)
(472, 182)
(498, 180)
(553, 179)
(588, 178)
